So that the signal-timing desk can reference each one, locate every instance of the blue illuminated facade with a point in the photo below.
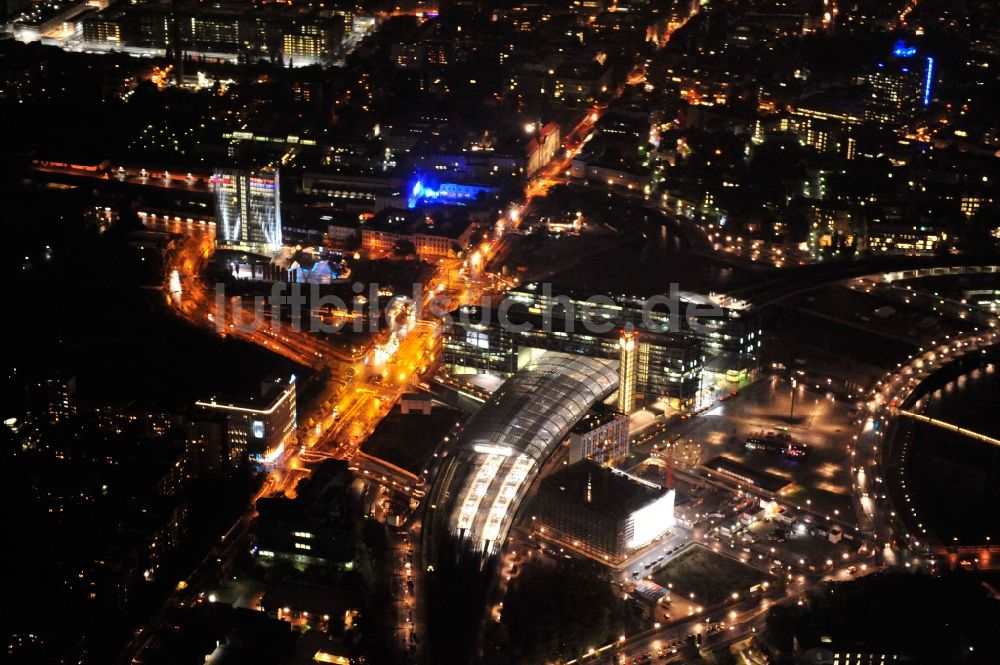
(928, 80)
(901, 50)
(423, 194)
(900, 87)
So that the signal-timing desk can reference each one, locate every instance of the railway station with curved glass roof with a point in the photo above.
(505, 444)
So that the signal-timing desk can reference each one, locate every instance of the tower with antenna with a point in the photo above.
(175, 49)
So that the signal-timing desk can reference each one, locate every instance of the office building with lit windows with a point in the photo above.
(627, 370)
(809, 647)
(258, 429)
(103, 28)
(51, 400)
(666, 365)
(220, 31)
(728, 332)
(680, 357)
(900, 87)
(316, 41)
(434, 236)
(316, 528)
(248, 210)
(601, 435)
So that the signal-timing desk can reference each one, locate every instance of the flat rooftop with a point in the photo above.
(600, 414)
(604, 490)
(518, 314)
(446, 222)
(408, 441)
(272, 392)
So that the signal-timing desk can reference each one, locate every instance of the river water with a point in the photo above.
(953, 480)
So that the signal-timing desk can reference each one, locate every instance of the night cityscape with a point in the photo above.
(501, 332)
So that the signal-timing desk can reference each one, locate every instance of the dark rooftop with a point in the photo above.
(608, 491)
(600, 414)
(440, 222)
(407, 441)
(318, 600)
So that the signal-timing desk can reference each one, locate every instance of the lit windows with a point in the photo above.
(477, 339)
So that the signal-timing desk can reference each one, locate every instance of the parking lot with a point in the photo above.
(820, 481)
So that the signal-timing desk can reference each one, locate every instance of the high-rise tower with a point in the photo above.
(627, 371)
(900, 87)
(248, 210)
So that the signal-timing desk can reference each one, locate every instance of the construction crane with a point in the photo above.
(669, 478)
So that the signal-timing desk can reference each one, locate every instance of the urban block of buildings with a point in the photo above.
(256, 430)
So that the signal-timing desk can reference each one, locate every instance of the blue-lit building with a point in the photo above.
(425, 193)
(900, 87)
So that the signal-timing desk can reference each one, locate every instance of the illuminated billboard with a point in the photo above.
(652, 520)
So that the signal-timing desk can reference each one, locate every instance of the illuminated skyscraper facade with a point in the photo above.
(248, 210)
(627, 372)
(900, 87)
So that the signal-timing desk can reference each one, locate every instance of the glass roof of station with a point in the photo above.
(508, 440)
(540, 403)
